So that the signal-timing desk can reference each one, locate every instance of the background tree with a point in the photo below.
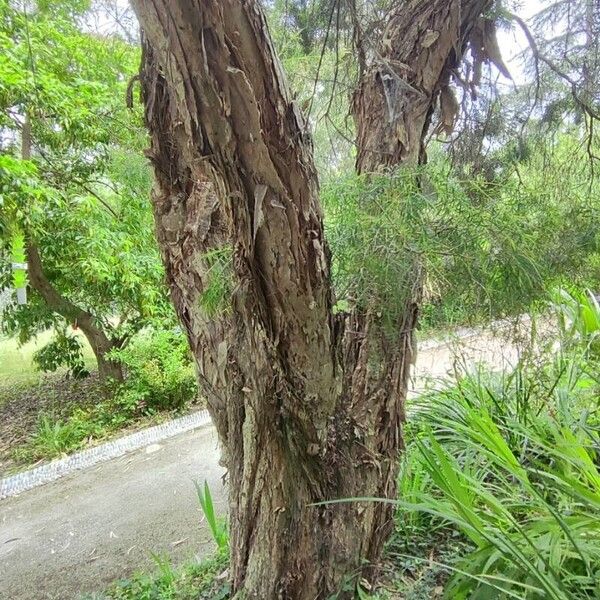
(74, 185)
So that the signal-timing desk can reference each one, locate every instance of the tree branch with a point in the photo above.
(61, 305)
(539, 57)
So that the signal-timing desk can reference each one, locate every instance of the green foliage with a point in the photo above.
(160, 379)
(17, 364)
(160, 375)
(18, 257)
(370, 224)
(83, 195)
(192, 581)
(216, 296)
(63, 350)
(579, 317)
(54, 438)
(218, 527)
(487, 249)
(511, 462)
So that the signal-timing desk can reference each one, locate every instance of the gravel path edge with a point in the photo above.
(26, 480)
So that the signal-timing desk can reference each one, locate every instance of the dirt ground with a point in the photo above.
(22, 403)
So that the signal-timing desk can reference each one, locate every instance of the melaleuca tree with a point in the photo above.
(308, 402)
(73, 183)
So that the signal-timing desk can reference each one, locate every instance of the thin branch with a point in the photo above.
(539, 57)
(323, 49)
(105, 204)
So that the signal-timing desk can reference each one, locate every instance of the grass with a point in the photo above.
(204, 580)
(218, 527)
(16, 361)
(29, 411)
(71, 426)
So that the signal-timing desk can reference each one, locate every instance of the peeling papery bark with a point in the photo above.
(423, 42)
(308, 405)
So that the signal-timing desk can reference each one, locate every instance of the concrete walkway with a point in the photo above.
(81, 532)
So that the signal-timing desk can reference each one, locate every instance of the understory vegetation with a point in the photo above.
(199, 580)
(56, 415)
(499, 491)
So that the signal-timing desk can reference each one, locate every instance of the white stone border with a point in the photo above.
(26, 480)
(15, 484)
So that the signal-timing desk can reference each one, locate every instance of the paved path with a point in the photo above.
(81, 532)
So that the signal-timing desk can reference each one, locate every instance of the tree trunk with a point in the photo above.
(308, 405)
(100, 343)
(422, 45)
(108, 370)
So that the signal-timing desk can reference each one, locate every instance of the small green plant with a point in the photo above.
(54, 438)
(192, 581)
(579, 316)
(216, 296)
(520, 481)
(167, 573)
(218, 527)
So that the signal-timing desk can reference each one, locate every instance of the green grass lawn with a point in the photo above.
(46, 415)
(16, 361)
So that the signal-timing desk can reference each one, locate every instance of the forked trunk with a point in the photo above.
(308, 405)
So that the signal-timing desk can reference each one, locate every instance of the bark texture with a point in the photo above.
(308, 405)
(422, 45)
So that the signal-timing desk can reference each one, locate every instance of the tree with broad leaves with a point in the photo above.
(72, 187)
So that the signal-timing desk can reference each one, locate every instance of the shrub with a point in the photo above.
(160, 375)
(486, 249)
(511, 461)
(63, 351)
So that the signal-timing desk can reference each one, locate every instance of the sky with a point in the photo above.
(513, 43)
